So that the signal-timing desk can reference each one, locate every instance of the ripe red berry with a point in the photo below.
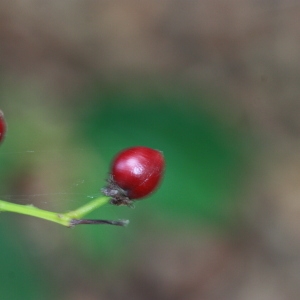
(135, 173)
(2, 126)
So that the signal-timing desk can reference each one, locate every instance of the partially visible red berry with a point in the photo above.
(2, 126)
(135, 173)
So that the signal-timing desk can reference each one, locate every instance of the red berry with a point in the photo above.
(135, 173)
(2, 126)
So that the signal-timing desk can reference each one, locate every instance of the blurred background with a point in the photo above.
(214, 85)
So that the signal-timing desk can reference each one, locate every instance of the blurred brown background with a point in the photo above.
(237, 62)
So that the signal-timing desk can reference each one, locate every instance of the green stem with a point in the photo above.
(66, 219)
(87, 208)
(33, 211)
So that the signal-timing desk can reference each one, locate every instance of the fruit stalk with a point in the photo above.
(69, 219)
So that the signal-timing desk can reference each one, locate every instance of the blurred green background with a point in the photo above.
(103, 77)
(59, 160)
